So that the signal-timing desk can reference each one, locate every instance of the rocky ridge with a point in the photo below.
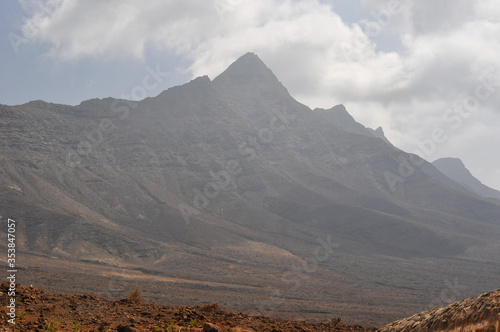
(480, 313)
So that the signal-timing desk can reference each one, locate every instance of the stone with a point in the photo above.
(209, 327)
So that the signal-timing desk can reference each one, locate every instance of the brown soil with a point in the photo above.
(39, 310)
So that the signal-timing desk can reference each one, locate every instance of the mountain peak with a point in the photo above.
(339, 109)
(250, 55)
(247, 68)
(450, 161)
(455, 169)
(339, 116)
(249, 59)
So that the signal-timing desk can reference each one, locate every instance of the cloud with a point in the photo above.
(114, 28)
(443, 16)
(447, 45)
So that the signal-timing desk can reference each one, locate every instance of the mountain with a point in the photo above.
(455, 169)
(229, 189)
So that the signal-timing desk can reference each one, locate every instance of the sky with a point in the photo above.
(427, 71)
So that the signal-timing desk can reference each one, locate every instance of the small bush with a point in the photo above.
(52, 326)
(76, 327)
(211, 307)
(335, 320)
(20, 316)
(193, 323)
(135, 296)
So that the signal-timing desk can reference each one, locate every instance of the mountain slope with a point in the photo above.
(233, 181)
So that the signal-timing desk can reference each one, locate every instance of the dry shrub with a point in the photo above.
(335, 320)
(135, 296)
(212, 307)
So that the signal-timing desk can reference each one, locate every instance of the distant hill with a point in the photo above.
(455, 169)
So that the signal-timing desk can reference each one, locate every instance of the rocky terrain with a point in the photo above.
(39, 310)
(229, 190)
(480, 313)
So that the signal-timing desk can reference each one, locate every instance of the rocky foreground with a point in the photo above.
(480, 313)
(38, 310)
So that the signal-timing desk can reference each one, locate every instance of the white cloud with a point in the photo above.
(116, 28)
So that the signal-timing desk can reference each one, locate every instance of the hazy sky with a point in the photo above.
(427, 71)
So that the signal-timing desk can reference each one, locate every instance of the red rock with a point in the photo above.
(209, 327)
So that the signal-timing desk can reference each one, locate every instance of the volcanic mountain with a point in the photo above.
(230, 189)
